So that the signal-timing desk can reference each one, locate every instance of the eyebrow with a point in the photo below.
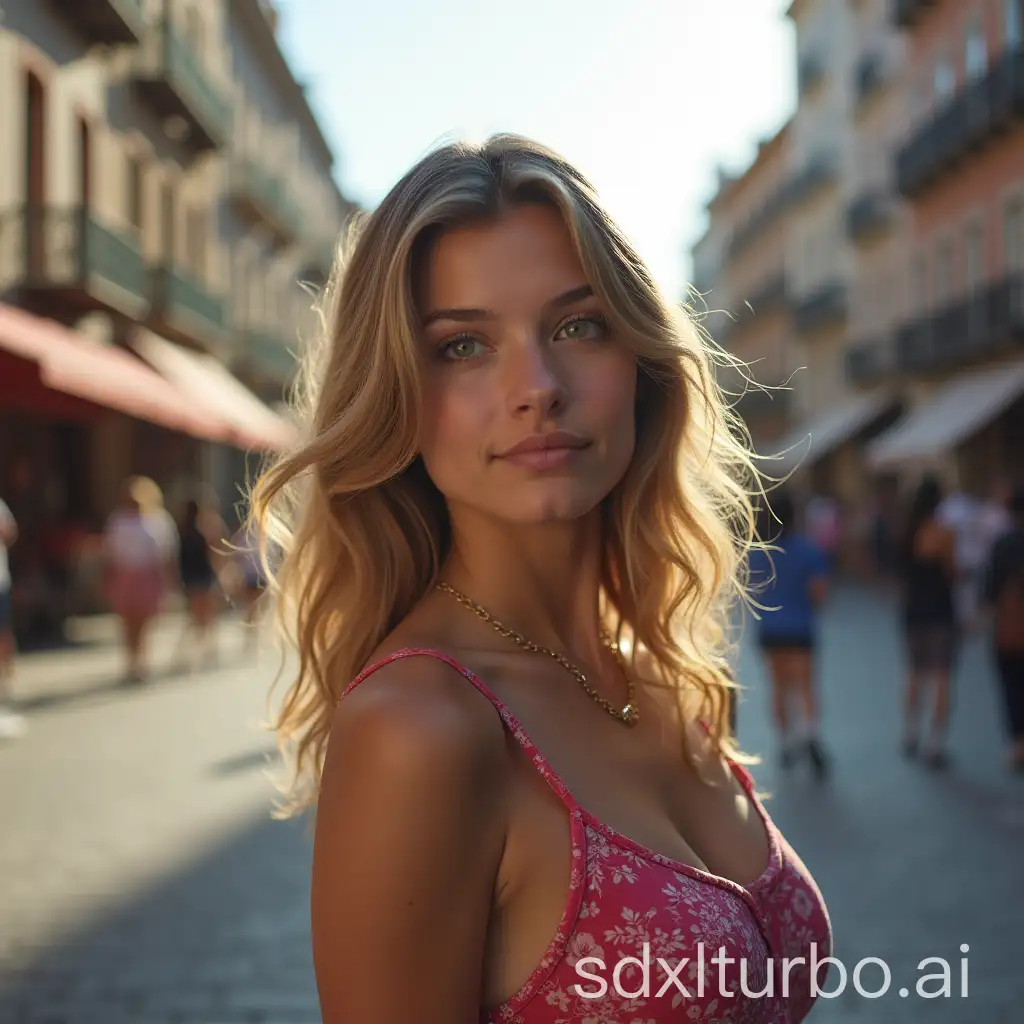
(584, 291)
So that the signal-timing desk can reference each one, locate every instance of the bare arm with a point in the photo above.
(410, 830)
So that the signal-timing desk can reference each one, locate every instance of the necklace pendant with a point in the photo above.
(630, 715)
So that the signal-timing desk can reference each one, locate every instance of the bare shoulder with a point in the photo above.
(416, 714)
(410, 830)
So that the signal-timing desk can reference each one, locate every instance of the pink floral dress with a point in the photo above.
(645, 939)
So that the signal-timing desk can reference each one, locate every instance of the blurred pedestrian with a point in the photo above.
(1004, 593)
(961, 513)
(823, 526)
(251, 578)
(11, 723)
(791, 582)
(199, 536)
(930, 620)
(140, 545)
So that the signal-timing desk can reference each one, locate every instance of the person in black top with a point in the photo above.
(929, 618)
(1004, 594)
(201, 530)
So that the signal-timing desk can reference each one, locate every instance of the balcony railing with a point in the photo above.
(981, 111)
(983, 324)
(870, 215)
(105, 21)
(757, 404)
(169, 73)
(905, 12)
(869, 361)
(264, 196)
(758, 223)
(267, 353)
(820, 171)
(869, 77)
(810, 72)
(68, 250)
(187, 304)
(824, 306)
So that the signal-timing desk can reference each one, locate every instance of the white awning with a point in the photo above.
(816, 437)
(217, 390)
(959, 409)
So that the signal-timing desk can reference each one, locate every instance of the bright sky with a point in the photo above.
(645, 97)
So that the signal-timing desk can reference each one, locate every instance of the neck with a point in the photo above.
(541, 581)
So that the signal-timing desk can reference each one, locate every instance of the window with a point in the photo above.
(134, 191)
(1013, 23)
(84, 163)
(1013, 235)
(943, 79)
(919, 299)
(195, 242)
(975, 51)
(943, 272)
(975, 255)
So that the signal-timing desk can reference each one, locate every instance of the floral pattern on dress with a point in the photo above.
(641, 914)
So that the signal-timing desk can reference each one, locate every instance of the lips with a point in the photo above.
(559, 439)
(545, 452)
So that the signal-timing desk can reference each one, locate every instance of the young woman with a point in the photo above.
(510, 545)
(929, 620)
(792, 581)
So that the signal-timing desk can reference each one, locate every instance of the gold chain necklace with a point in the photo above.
(628, 714)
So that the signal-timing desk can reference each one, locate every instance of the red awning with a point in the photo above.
(210, 385)
(104, 375)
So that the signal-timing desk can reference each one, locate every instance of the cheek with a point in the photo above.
(455, 418)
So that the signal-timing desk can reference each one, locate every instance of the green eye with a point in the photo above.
(584, 328)
(455, 349)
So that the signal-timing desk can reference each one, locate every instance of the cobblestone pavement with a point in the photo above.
(142, 879)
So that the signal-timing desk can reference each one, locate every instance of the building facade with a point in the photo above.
(958, 351)
(900, 214)
(165, 190)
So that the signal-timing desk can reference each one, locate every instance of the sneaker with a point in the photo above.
(12, 725)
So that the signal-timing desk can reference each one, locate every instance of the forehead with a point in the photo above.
(524, 255)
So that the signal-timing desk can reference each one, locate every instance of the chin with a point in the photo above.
(544, 505)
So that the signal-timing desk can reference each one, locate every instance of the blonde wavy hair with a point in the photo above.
(359, 530)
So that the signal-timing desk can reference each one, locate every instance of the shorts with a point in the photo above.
(6, 613)
(931, 647)
(802, 642)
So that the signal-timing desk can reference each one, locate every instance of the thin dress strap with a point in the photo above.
(540, 762)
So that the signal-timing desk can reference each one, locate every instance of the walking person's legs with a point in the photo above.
(1011, 679)
(11, 723)
(778, 672)
(805, 692)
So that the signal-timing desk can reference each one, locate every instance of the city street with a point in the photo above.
(142, 878)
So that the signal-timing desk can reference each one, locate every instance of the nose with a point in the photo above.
(535, 382)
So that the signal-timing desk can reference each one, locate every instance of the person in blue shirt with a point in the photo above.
(789, 581)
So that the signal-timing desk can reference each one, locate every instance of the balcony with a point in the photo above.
(869, 78)
(810, 73)
(757, 404)
(184, 308)
(870, 216)
(869, 362)
(757, 224)
(819, 172)
(977, 327)
(105, 21)
(905, 12)
(824, 306)
(982, 112)
(68, 257)
(770, 297)
(170, 77)
(263, 198)
(266, 354)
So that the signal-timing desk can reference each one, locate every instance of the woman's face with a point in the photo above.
(516, 348)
